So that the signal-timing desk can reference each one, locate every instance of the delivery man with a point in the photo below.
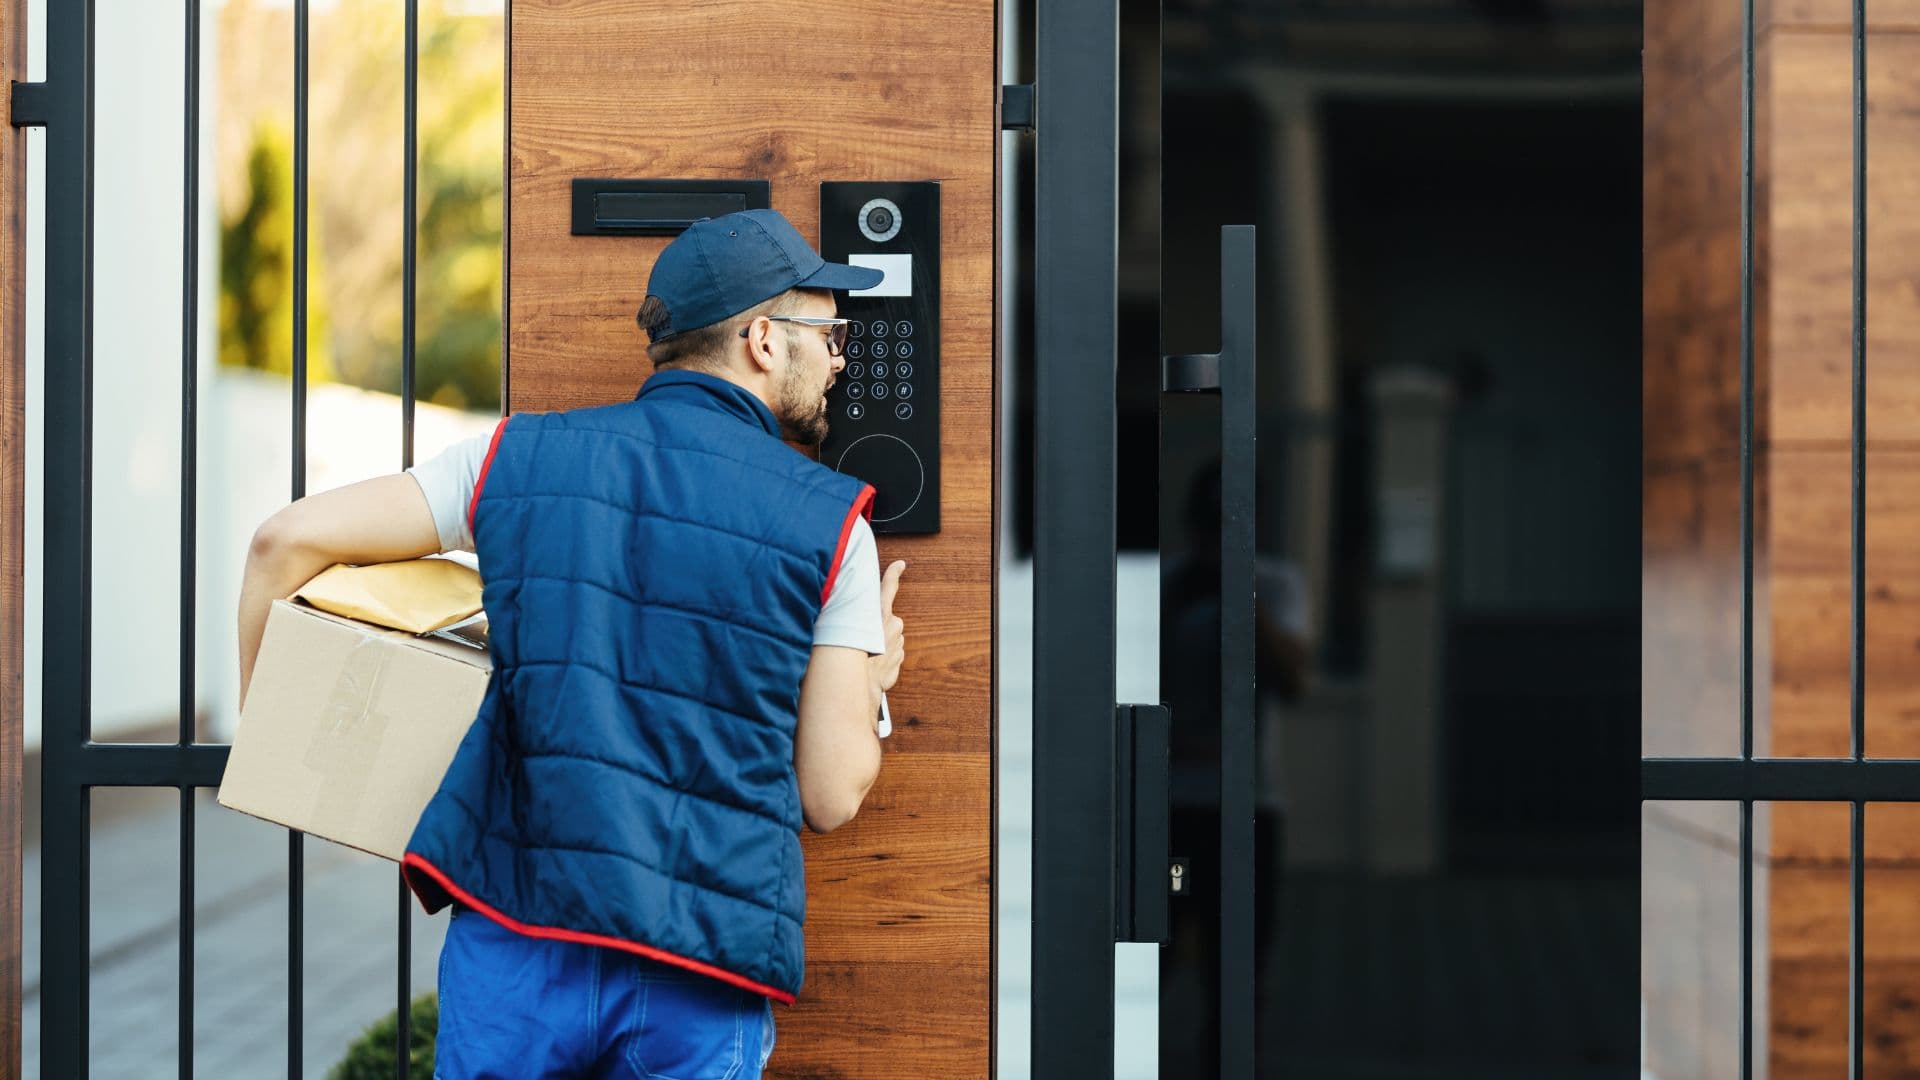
(690, 638)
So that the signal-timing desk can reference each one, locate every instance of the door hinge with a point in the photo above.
(27, 104)
(1016, 107)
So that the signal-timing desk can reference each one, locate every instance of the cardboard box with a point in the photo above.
(349, 727)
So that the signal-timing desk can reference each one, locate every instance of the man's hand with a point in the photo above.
(885, 668)
(385, 519)
(836, 754)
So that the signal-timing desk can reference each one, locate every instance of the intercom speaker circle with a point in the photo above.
(892, 466)
(880, 220)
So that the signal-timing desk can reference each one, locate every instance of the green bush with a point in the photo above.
(371, 1055)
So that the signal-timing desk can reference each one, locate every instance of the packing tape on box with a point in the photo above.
(347, 742)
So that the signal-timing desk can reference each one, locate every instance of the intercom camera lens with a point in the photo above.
(879, 221)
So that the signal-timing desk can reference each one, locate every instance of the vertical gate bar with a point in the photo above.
(1858, 556)
(296, 861)
(189, 489)
(67, 463)
(1857, 690)
(1076, 220)
(1746, 532)
(1237, 750)
(1746, 939)
(403, 1029)
(1746, 388)
(409, 239)
(1856, 923)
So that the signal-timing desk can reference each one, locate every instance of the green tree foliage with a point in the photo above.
(256, 269)
(370, 1057)
(356, 177)
(461, 137)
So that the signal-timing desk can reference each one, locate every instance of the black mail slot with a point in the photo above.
(613, 207)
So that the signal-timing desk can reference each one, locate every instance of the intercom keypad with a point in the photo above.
(885, 405)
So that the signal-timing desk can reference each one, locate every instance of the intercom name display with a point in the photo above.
(885, 419)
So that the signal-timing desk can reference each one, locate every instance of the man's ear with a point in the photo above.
(760, 346)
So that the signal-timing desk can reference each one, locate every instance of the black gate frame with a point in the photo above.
(72, 763)
(1101, 871)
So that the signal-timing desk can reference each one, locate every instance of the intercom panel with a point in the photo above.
(885, 421)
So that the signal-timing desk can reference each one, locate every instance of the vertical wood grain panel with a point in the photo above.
(13, 452)
(899, 941)
(1803, 326)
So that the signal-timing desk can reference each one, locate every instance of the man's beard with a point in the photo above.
(803, 408)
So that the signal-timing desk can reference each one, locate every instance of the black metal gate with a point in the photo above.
(74, 764)
(1087, 780)
(1102, 871)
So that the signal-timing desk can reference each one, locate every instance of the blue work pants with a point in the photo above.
(519, 1007)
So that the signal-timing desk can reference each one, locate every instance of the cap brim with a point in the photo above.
(841, 277)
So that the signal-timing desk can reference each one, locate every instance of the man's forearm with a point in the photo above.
(384, 519)
(273, 572)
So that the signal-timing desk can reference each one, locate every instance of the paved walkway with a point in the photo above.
(240, 950)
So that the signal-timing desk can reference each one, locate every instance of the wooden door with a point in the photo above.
(899, 974)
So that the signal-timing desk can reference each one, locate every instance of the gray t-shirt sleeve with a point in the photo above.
(851, 615)
(447, 480)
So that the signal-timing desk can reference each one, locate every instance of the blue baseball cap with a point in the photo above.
(722, 266)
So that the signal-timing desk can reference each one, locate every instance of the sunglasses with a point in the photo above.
(836, 329)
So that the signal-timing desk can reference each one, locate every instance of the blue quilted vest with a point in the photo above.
(653, 571)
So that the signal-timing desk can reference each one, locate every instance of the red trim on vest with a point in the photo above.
(862, 508)
(481, 480)
(413, 861)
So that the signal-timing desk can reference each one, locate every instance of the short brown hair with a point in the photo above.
(704, 347)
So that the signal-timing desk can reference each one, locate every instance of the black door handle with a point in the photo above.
(1230, 374)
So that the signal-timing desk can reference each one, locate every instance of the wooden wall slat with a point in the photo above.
(899, 933)
(13, 453)
(1803, 326)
